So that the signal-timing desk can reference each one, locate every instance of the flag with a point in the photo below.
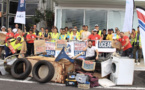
(141, 21)
(128, 20)
(21, 13)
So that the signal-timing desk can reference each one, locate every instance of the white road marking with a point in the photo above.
(57, 84)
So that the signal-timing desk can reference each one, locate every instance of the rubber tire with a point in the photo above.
(36, 70)
(22, 75)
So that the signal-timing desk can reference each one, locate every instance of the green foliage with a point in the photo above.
(47, 16)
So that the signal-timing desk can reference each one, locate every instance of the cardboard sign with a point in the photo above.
(39, 46)
(104, 46)
(60, 44)
(88, 65)
(2, 36)
(78, 48)
(50, 48)
(116, 44)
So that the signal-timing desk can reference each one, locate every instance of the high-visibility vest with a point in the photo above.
(63, 38)
(15, 46)
(117, 36)
(132, 41)
(29, 33)
(137, 41)
(54, 36)
(41, 33)
(100, 32)
(77, 37)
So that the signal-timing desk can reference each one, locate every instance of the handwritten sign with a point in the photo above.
(60, 44)
(78, 48)
(39, 46)
(50, 48)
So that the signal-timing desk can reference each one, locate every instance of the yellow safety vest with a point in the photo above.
(132, 41)
(117, 36)
(29, 33)
(54, 37)
(139, 41)
(100, 32)
(77, 37)
(15, 46)
(63, 38)
(41, 33)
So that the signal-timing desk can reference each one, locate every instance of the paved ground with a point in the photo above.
(8, 83)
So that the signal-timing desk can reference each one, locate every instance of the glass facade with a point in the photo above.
(104, 18)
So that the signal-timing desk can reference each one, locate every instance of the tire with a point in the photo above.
(17, 70)
(47, 77)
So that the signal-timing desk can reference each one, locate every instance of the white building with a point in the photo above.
(105, 13)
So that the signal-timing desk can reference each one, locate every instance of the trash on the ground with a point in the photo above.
(106, 82)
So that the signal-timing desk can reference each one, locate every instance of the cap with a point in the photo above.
(3, 27)
(70, 27)
(96, 25)
(74, 29)
(111, 29)
(19, 39)
(94, 30)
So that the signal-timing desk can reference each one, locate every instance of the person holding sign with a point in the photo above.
(46, 35)
(30, 42)
(74, 35)
(10, 34)
(126, 45)
(109, 36)
(13, 45)
(55, 35)
(94, 37)
(41, 34)
(91, 51)
(63, 35)
(85, 34)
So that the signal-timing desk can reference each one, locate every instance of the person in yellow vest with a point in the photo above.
(74, 35)
(15, 43)
(137, 47)
(63, 35)
(99, 32)
(132, 36)
(55, 35)
(41, 34)
(117, 34)
(69, 31)
(78, 33)
(109, 36)
(83, 29)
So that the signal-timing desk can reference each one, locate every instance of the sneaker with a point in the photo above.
(138, 63)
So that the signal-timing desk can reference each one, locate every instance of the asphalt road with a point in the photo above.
(8, 83)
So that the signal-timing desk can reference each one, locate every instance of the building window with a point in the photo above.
(30, 9)
(93, 17)
(72, 17)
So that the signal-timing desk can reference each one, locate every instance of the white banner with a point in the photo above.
(141, 20)
(20, 18)
(128, 20)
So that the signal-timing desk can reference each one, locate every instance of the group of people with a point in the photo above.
(17, 36)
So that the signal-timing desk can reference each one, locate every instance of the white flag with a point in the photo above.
(128, 20)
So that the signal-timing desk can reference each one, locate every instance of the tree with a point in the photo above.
(44, 14)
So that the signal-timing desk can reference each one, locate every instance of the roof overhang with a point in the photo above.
(97, 3)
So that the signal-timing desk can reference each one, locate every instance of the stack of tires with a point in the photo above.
(22, 68)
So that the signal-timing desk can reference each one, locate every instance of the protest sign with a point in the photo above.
(60, 44)
(39, 46)
(50, 48)
(78, 48)
(116, 44)
(70, 48)
(2, 36)
(104, 46)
